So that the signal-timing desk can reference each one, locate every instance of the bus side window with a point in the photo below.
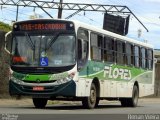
(82, 51)
(108, 49)
(120, 52)
(79, 49)
(129, 54)
(143, 57)
(150, 59)
(96, 47)
(137, 56)
(82, 47)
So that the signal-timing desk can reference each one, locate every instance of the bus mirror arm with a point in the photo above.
(7, 51)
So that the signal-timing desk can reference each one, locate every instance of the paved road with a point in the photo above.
(75, 110)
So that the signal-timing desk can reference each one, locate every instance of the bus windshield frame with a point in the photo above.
(44, 51)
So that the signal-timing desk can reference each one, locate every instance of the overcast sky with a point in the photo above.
(148, 12)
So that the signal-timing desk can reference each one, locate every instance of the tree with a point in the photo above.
(4, 58)
(4, 27)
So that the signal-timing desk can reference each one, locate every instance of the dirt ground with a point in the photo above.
(14, 101)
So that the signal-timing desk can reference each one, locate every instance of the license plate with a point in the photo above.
(38, 88)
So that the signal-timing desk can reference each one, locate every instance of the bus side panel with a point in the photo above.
(105, 88)
(149, 89)
(115, 89)
(83, 87)
(122, 89)
(146, 85)
(146, 89)
(107, 92)
(80, 87)
(141, 90)
(130, 89)
(108, 88)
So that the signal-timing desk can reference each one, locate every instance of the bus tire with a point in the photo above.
(97, 102)
(133, 101)
(39, 102)
(124, 102)
(90, 101)
(135, 95)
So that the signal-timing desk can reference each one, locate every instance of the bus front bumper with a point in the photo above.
(67, 90)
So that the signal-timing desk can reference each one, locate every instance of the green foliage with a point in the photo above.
(5, 27)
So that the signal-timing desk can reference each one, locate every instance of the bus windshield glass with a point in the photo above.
(43, 50)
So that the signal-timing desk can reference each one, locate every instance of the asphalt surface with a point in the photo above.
(148, 109)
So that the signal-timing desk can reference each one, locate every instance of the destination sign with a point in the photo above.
(42, 26)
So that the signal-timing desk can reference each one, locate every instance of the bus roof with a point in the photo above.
(108, 33)
(99, 30)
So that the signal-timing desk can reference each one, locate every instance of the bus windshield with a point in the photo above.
(43, 50)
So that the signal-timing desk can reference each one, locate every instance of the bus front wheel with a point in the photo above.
(39, 102)
(90, 101)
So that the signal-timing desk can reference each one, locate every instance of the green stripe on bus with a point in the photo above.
(107, 71)
(44, 77)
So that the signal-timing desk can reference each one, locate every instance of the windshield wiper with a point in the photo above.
(52, 41)
(30, 41)
(32, 45)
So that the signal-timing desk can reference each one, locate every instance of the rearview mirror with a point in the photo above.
(8, 40)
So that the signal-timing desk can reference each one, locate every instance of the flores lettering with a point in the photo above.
(117, 73)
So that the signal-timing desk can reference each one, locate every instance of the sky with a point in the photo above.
(147, 11)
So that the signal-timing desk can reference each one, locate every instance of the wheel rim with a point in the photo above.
(93, 96)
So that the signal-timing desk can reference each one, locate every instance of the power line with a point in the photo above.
(150, 20)
(10, 10)
(85, 16)
(11, 13)
(71, 6)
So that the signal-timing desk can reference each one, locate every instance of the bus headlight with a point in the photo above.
(67, 79)
(15, 80)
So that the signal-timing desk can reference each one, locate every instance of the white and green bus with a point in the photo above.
(69, 60)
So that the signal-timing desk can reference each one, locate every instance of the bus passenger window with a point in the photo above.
(79, 49)
(137, 56)
(109, 49)
(120, 52)
(129, 54)
(150, 59)
(96, 47)
(82, 51)
(143, 55)
(82, 47)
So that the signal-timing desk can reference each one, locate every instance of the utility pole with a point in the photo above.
(17, 13)
(60, 9)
